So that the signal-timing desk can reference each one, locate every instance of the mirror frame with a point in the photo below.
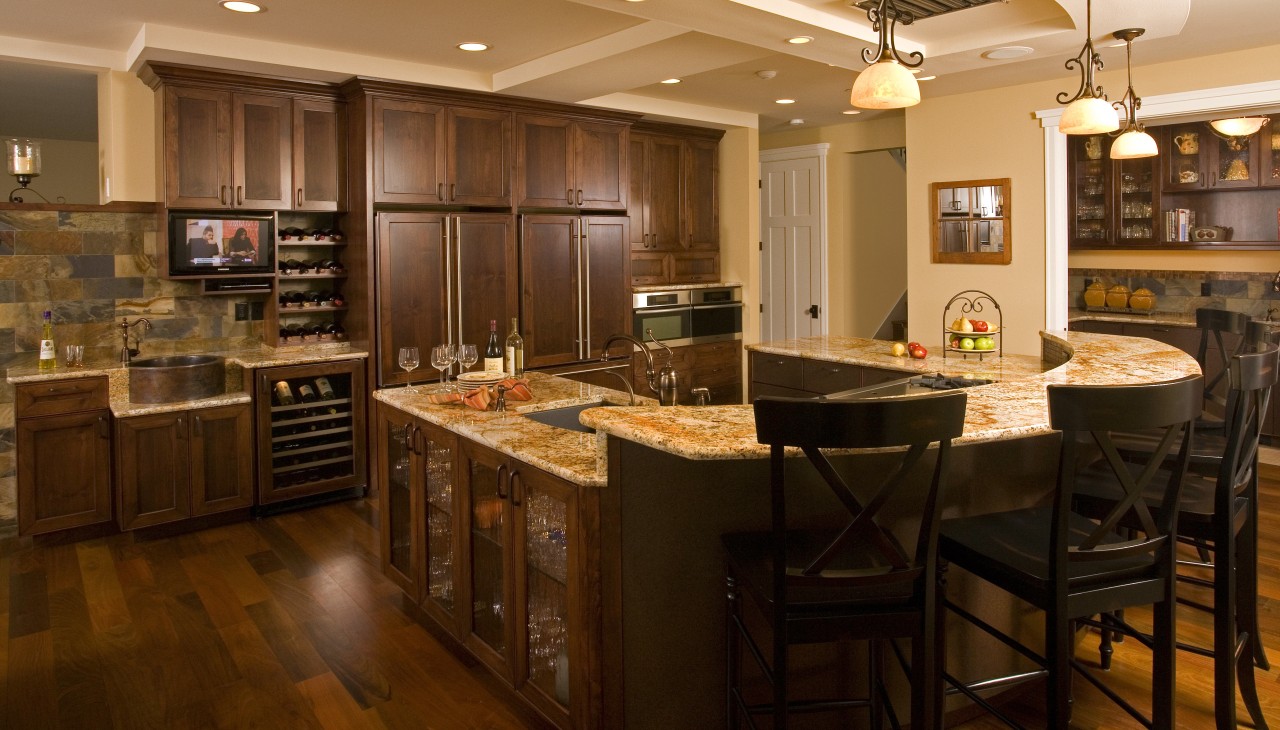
(936, 219)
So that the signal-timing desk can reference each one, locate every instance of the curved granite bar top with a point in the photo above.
(572, 455)
(1013, 407)
(237, 360)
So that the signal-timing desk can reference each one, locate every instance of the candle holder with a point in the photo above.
(24, 164)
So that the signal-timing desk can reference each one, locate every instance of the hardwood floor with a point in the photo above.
(287, 622)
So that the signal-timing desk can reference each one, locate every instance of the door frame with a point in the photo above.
(784, 154)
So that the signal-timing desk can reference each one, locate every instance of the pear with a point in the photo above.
(965, 325)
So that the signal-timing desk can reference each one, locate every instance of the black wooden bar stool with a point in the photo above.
(1218, 513)
(1214, 355)
(856, 581)
(1072, 567)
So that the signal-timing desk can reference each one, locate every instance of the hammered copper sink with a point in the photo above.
(173, 378)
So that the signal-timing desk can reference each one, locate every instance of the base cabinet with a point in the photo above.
(799, 377)
(172, 466)
(63, 431)
(716, 366)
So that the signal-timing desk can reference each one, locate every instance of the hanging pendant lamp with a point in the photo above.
(1133, 142)
(887, 83)
(1088, 111)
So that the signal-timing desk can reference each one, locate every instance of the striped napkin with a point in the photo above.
(483, 397)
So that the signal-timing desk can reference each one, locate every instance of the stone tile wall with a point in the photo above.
(90, 269)
(1185, 291)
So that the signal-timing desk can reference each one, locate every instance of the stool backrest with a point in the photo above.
(1090, 413)
(1213, 323)
(1252, 376)
(908, 425)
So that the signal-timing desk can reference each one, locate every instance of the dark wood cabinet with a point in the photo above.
(798, 377)
(428, 153)
(702, 193)
(716, 366)
(574, 285)
(310, 448)
(420, 513)
(657, 192)
(441, 278)
(63, 432)
(1112, 202)
(319, 155)
(176, 465)
(571, 163)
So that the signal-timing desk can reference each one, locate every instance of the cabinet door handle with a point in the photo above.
(222, 194)
(239, 195)
(517, 488)
(568, 194)
(408, 436)
(104, 431)
(440, 191)
(501, 468)
(453, 191)
(198, 427)
(182, 428)
(579, 196)
(298, 198)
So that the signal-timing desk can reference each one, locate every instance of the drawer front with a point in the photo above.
(706, 376)
(777, 370)
(830, 377)
(53, 397)
(718, 354)
(1186, 339)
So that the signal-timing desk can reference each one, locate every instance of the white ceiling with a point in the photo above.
(612, 52)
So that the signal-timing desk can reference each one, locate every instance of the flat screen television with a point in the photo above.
(221, 244)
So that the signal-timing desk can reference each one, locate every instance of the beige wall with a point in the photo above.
(126, 138)
(66, 171)
(740, 221)
(850, 273)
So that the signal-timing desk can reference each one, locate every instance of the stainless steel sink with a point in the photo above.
(566, 418)
(174, 378)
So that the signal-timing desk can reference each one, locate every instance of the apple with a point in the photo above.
(912, 345)
(898, 349)
(968, 343)
(919, 353)
(985, 343)
(954, 342)
(979, 325)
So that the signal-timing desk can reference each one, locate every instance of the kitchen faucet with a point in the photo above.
(126, 352)
(662, 383)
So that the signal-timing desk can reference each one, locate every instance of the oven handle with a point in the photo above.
(716, 306)
(662, 310)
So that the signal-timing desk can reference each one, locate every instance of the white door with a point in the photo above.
(793, 243)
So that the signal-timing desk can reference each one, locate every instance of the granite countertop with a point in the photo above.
(1014, 407)
(875, 353)
(572, 455)
(1169, 319)
(237, 361)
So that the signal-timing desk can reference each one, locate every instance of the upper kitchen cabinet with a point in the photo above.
(427, 153)
(1111, 201)
(249, 142)
(674, 189)
(571, 163)
(701, 192)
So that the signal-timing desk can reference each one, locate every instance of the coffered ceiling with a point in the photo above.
(615, 53)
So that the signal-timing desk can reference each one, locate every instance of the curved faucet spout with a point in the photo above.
(649, 373)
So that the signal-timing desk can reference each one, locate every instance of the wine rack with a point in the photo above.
(310, 303)
(314, 445)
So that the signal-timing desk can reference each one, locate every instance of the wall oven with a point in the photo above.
(666, 313)
(716, 314)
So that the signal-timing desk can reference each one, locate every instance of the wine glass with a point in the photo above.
(468, 355)
(409, 360)
(451, 352)
(441, 361)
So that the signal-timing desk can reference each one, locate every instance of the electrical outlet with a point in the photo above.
(242, 311)
(255, 310)
(1206, 289)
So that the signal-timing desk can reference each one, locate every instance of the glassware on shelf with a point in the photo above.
(408, 360)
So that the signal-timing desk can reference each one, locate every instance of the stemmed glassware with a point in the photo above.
(441, 360)
(468, 356)
(409, 360)
(451, 352)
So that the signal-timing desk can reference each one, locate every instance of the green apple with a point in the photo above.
(968, 344)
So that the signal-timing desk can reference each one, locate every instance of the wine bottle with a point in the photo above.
(337, 299)
(324, 388)
(514, 362)
(296, 298)
(48, 353)
(284, 394)
(492, 352)
(306, 392)
(336, 330)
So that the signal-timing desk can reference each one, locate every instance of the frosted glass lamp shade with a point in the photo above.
(1133, 144)
(1088, 115)
(885, 84)
(1238, 126)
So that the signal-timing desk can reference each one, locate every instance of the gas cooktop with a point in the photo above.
(942, 382)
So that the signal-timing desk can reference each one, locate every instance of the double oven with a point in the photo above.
(688, 316)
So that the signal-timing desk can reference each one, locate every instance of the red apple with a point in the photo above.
(979, 326)
(918, 352)
(912, 345)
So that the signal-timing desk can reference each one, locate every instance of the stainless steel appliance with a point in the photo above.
(667, 313)
(716, 314)
(907, 386)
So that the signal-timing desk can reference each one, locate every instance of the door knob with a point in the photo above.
(813, 311)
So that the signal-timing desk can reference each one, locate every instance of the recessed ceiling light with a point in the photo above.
(1007, 52)
(785, 101)
(851, 111)
(800, 40)
(240, 6)
(473, 46)
(926, 78)
(671, 81)
(796, 122)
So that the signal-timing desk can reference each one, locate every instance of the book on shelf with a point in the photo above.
(1178, 223)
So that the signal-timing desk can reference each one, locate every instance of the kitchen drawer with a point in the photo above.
(758, 389)
(718, 354)
(830, 377)
(777, 370)
(1097, 327)
(1186, 339)
(707, 375)
(53, 397)
(875, 376)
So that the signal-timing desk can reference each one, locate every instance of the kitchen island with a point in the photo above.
(639, 507)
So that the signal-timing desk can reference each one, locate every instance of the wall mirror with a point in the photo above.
(969, 222)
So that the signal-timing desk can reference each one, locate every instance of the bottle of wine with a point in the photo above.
(514, 358)
(492, 352)
(306, 392)
(324, 388)
(338, 300)
(284, 394)
(48, 353)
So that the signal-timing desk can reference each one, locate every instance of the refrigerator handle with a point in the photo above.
(446, 232)
(577, 256)
(584, 248)
(457, 246)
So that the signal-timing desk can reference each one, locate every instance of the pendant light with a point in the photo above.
(1088, 111)
(1238, 126)
(1133, 141)
(886, 83)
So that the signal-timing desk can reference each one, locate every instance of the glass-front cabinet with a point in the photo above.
(1113, 202)
(489, 556)
(1270, 153)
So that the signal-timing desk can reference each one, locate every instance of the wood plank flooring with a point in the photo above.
(286, 622)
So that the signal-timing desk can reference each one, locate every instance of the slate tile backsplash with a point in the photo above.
(90, 269)
(1184, 292)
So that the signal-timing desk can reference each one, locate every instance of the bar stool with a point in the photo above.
(1072, 567)
(1213, 324)
(1219, 514)
(855, 582)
